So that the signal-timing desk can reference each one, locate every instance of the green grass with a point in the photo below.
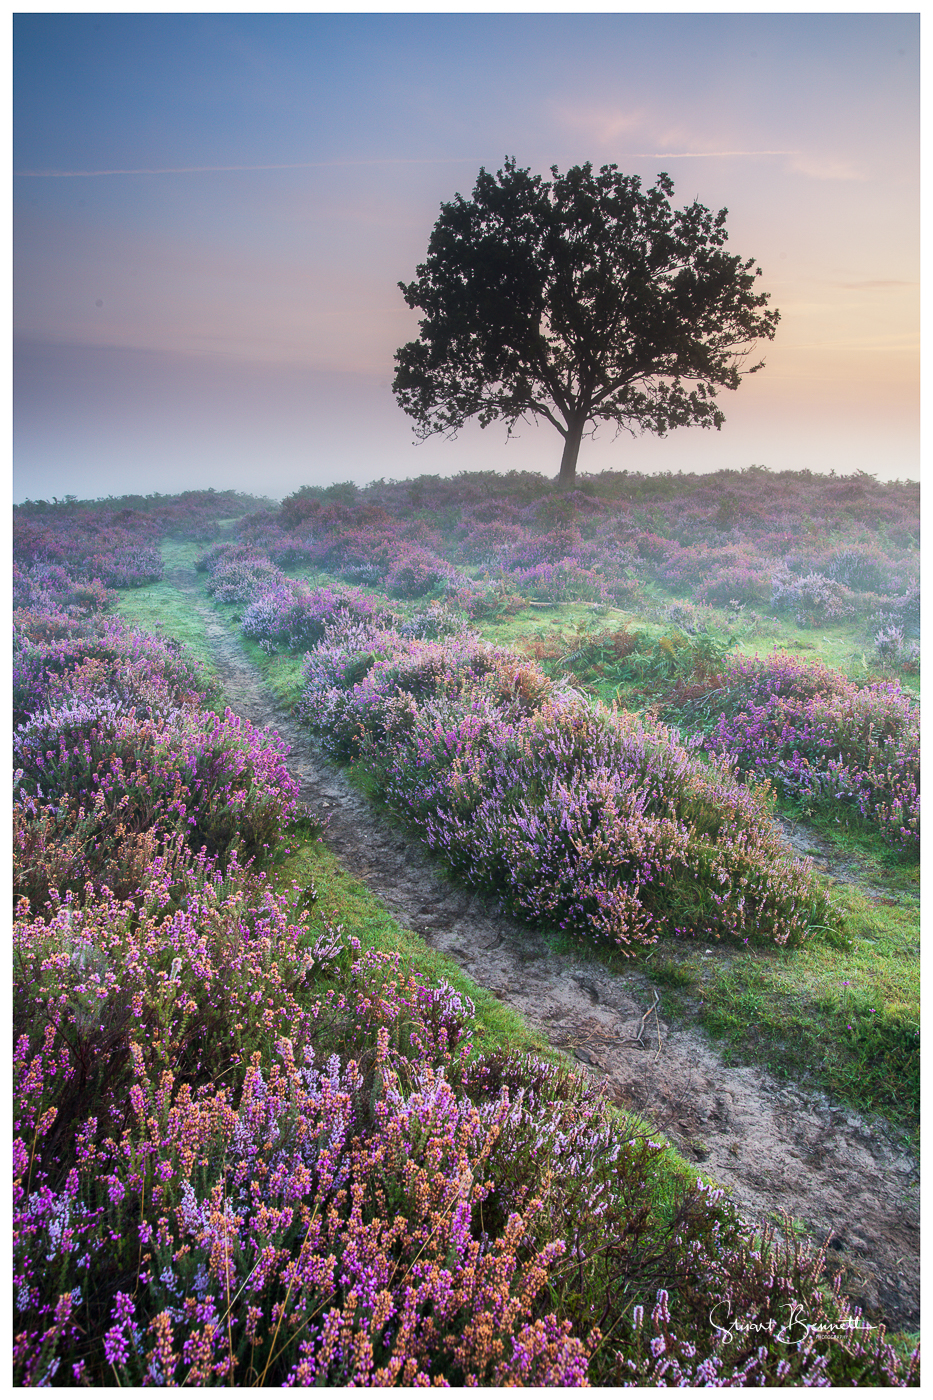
(160, 607)
(846, 645)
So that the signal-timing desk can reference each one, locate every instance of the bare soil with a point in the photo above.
(781, 1150)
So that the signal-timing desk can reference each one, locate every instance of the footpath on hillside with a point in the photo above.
(779, 1150)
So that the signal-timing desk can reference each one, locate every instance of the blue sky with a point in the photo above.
(201, 318)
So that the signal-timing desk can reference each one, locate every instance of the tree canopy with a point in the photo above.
(579, 299)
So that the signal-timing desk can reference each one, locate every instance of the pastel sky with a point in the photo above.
(212, 213)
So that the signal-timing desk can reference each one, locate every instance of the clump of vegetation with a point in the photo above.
(596, 655)
(820, 738)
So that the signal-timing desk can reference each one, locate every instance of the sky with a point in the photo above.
(212, 213)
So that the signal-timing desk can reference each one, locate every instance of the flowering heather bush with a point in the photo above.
(263, 532)
(892, 649)
(215, 555)
(355, 680)
(179, 967)
(616, 1250)
(823, 738)
(219, 780)
(39, 584)
(237, 572)
(131, 566)
(53, 659)
(560, 582)
(741, 583)
(688, 617)
(436, 620)
(600, 825)
(414, 573)
(76, 551)
(44, 589)
(369, 574)
(362, 1201)
(77, 848)
(71, 527)
(485, 542)
(903, 611)
(813, 599)
(862, 567)
(292, 615)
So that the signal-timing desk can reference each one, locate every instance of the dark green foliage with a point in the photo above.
(578, 300)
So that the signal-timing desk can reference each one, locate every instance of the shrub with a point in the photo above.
(219, 780)
(131, 566)
(55, 661)
(892, 649)
(814, 599)
(414, 573)
(822, 738)
(295, 616)
(236, 573)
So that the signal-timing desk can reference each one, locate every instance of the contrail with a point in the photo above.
(336, 164)
(221, 169)
(697, 155)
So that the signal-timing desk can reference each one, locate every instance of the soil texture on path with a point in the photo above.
(778, 1148)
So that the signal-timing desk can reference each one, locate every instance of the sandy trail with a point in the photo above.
(778, 1148)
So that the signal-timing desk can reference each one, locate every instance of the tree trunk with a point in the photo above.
(568, 462)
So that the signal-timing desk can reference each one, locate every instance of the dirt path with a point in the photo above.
(778, 1148)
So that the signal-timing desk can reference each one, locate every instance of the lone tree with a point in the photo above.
(578, 299)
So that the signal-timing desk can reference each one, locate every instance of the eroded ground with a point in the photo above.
(777, 1148)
